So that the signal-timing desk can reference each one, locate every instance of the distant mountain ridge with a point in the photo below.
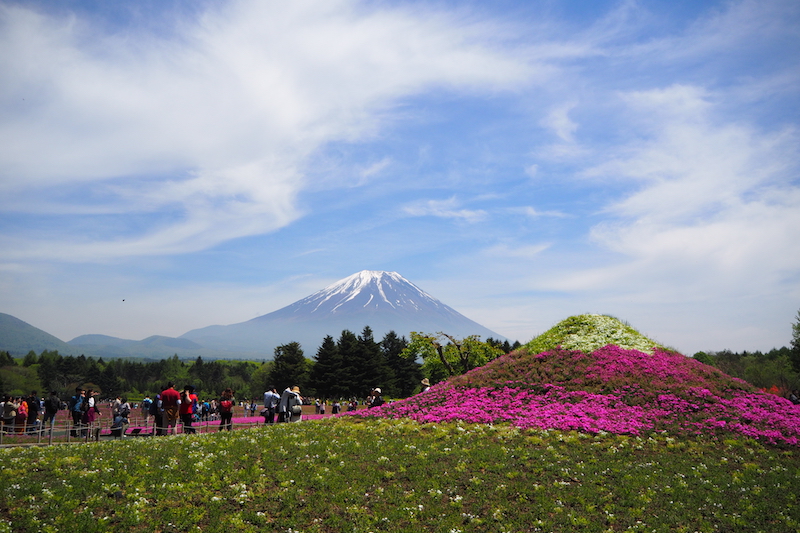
(19, 338)
(384, 301)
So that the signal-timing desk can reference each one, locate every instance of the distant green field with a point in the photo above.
(357, 475)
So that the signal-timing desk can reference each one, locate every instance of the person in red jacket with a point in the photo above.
(188, 408)
(170, 405)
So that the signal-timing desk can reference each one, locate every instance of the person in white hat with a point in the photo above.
(290, 408)
(377, 399)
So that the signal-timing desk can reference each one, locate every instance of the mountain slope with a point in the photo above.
(19, 338)
(154, 347)
(384, 301)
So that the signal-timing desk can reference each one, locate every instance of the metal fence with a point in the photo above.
(65, 431)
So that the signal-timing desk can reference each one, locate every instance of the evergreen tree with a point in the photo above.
(49, 374)
(30, 359)
(407, 373)
(373, 371)
(347, 346)
(326, 374)
(289, 367)
(6, 359)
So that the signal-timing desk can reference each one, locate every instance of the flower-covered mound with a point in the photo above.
(590, 332)
(608, 390)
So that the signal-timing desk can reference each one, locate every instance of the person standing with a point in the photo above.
(76, 411)
(170, 405)
(290, 408)
(33, 411)
(89, 411)
(271, 399)
(188, 408)
(9, 413)
(146, 409)
(115, 407)
(52, 405)
(226, 403)
(158, 416)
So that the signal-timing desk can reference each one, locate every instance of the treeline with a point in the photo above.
(775, 369)
(348, 367)
(50, 371)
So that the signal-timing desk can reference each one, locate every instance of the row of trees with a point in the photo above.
(348, 367)
(774, 368)
(777, 369)
(135, 378)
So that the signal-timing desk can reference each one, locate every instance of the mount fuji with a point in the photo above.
(384, 301)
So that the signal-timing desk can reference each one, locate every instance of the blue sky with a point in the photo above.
(209, 162)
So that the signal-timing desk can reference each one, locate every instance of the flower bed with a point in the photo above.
(610, 390)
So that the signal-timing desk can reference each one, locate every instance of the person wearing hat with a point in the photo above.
(377, 399)
(290, 408)
(426, 385)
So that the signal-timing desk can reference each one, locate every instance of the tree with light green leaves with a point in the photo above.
(444, 355)
(795, 353)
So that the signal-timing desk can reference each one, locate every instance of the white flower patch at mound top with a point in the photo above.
(588, 333)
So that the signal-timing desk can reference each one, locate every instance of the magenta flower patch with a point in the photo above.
(612, 389)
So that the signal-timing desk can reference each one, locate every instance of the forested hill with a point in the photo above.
(19, 338)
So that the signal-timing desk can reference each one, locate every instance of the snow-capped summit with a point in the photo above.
(368, 289)
(384, 301)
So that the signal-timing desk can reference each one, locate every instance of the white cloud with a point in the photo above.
(450, 208)
(558, 120)
(532, 212)
(216, 123)
(715, 205)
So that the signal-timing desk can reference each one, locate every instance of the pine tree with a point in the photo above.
(289, 367)
(326, 374)
(374, 371)
(407, 373)
(347, 346)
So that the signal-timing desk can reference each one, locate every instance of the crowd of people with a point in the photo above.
(169, 409)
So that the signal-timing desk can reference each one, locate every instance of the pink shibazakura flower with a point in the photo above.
(627, 392)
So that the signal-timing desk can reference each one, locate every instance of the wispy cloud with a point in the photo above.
(215, 124)
(450, 208)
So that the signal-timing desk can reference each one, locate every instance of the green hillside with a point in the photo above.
(18, 338)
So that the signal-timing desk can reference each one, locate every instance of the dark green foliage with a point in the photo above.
(6, 359)
(763, 370)
(326, 374)
(347, 345)
(406, 370)
(30, 359)
(290, 367)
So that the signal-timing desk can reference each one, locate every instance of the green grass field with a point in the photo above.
(358, 475)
